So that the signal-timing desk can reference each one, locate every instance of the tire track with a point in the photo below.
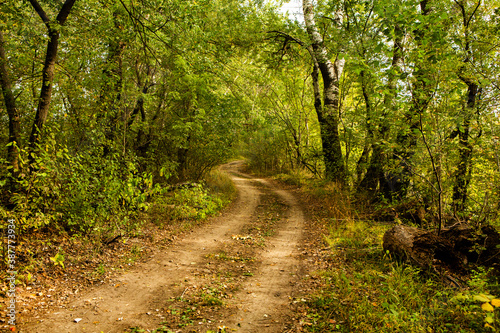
(270, 289)
(134, 298)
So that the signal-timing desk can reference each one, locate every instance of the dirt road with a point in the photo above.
(235, 272)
